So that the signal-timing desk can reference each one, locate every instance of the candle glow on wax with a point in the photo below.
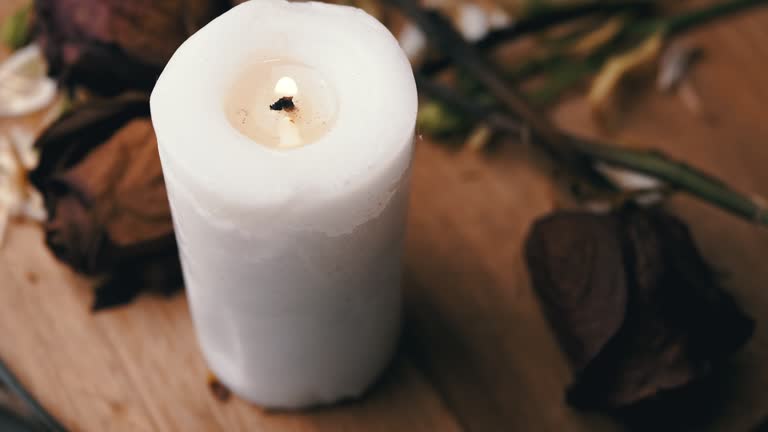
(251, 104)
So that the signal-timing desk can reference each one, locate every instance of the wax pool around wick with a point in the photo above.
(281, 103)
(285, 103)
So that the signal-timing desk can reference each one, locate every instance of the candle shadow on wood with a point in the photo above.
(386, 383)
(437, 349)
(158, 274)
(471, 323)
(395, 399)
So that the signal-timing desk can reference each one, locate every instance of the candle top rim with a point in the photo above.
(367, 139)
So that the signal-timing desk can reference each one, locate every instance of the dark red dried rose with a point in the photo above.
(577, 243)
(113, 45)
(103, 186)
(637, 309)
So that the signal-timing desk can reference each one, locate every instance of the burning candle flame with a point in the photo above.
(287, 129)
(286, 86)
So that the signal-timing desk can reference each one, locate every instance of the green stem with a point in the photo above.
(577, 154)
(559, 81)
(675, 174)
(686, 21)
(536, 66)
(678, 175)
(690, 20)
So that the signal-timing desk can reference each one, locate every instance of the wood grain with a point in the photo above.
(139, 369)
(477, 353)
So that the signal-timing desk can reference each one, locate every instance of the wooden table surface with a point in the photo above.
(477, 354)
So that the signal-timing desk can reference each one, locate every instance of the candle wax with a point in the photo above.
(261, 84)
(285, 131)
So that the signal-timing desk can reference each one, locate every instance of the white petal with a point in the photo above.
(628, 180)
(499, 18)
(24, 141)
(24, 86)
(472, 22)
(412, 41)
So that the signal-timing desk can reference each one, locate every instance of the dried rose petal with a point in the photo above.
(113, 45)
(671, 324)
(580, 278)
(108, 212)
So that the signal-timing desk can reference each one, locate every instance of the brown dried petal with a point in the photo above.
(124, 184)
(108, 212)
(113, 45)
(85, 127)
(677, 326)
(577, 269)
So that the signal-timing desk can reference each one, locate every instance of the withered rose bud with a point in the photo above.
(108, 213)
(636, 308)
(113, 45)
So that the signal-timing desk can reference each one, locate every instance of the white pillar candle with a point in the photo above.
(290, 221)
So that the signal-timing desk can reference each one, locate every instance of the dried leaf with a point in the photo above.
(578, 272)
(100, 174)
(618, 67)
(479, 137)
(637, 310)
(113, 45)
(597, 38)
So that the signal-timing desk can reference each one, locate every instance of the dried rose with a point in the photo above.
(636, 308)
(113, 45)
(103, 186)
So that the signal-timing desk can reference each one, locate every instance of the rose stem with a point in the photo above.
(577, 151)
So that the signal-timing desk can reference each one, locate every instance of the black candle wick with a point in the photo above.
(285, 103)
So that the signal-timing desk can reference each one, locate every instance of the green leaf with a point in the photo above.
(15, 31)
